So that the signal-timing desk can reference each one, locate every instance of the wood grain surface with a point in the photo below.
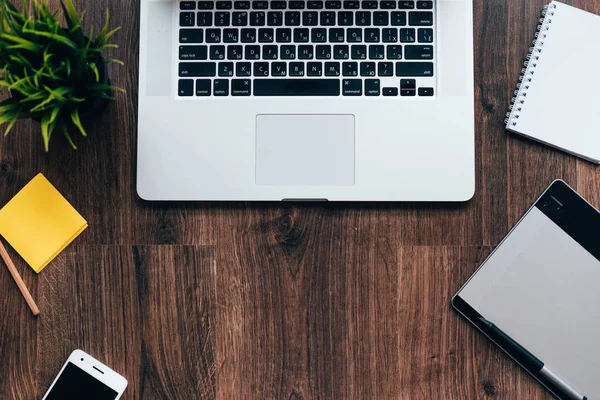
(274, 301)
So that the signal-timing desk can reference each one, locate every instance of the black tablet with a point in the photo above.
(537, 296)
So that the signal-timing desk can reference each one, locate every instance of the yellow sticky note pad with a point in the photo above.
(39, 223)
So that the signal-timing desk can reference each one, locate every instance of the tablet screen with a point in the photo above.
(541, 286)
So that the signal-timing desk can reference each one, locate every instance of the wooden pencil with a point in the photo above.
(13, 271)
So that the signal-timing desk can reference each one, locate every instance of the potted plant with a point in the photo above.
(55, 75)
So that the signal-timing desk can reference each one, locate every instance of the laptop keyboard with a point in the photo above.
(306, 48)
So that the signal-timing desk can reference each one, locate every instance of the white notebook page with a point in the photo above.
(562, 106)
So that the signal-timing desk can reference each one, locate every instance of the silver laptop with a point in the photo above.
(306, 100)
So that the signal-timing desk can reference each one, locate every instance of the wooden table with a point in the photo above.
(275, 301)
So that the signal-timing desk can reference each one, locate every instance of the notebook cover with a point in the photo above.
(557, 102)
(39, 223)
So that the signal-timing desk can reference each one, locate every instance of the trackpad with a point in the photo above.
(305, 150)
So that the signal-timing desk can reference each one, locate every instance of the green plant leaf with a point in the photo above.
(53, 36)
(25, 44)
(9, 127)
(94, 68)
(77, 122)
(69, 139)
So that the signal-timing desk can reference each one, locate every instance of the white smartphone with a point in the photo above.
(85, 378)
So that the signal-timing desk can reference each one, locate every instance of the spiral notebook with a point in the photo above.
(557, 101)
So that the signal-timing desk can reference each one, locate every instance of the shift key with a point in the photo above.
(197, 69)
(414, 69)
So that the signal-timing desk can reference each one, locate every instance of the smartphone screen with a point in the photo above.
(76, 384)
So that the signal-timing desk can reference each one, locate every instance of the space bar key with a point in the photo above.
(296, 87)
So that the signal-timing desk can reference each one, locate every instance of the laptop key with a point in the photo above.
(363, 18)
(414, 69)
(191, 35)
(187, 19)
(260, 5)
(372, 35)
(398, 18)
(394, 52)
(241, 5)
(186, 87)
(369, 5)
(345, 18)
(224, 5)
(196, 69)
(359, 52)
(296, 5)
(350, 68)
(426, 91)
(323, 52)
(275, 18)
(352, 87)
(408, 92)
(205, 18)
(213, 36)
(372, 87)
(225, 69)
(297, 69)
(252, 52)
(381, 18)
(407, 35)
(418, 52)
(278, 5)
(187, 5)
(336, 35)
(301, 35)
(231, 35)
(193, 52)
(310, 18)
(235, 52)
(297, 87)
(341, 52)
(243, 69)
(425, 35)
(376, 52)
(354, 35)
(408, 83)
(385, 68)
(217, 52)
(240, 18)
(306, 52)
(314, 5)
(279, 69)
(283, 35)
(249, 35)
(221, 87)
(388, 5)
(206, 5)
(257, 18)
(314, 68)
(332, 68)
(266, 35)
(327, 18)
(389, 35)
(270, 52)
(203, 87)
(241, 87)
(333, 5)
(261, 69)
(420, 18)
(367, 69)
(292, 18)
(406, 5)
(391, 91)
(425, 5)
(318, 35)
(288, 52)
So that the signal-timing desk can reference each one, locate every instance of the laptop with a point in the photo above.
(306, 100)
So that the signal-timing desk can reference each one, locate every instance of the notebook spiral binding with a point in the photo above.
(529, 67)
